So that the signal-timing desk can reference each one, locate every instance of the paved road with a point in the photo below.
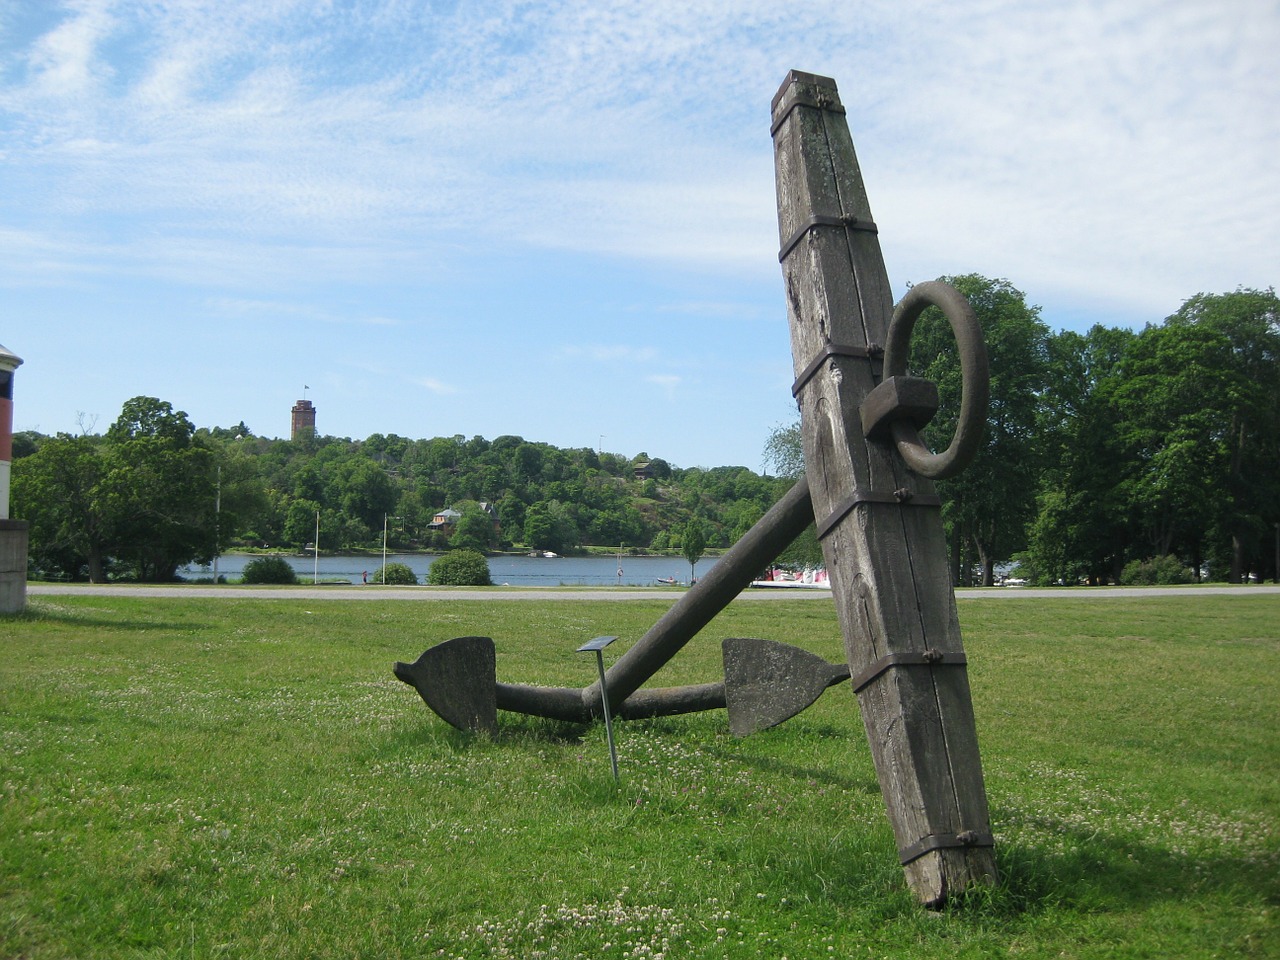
(341, 592)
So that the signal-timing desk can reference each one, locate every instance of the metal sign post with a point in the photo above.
(598, 645)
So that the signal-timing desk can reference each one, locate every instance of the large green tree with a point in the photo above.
(58, 491)
(363, 491)
(160, 489)
(1083, 526)
(548, 525)
(301, 519)
(987, 507)
(142, 499)
(474, 529)
(1198, 406)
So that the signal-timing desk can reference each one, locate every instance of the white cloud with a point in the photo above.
(65, 62)
(357, 162)
(436, 386)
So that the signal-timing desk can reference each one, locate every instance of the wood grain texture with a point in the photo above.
(887, 560)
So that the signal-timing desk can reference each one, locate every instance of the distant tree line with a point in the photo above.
(1109, 454)
(1112, 454)
(155, 492)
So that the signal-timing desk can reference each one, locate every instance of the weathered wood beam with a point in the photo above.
(881, 528)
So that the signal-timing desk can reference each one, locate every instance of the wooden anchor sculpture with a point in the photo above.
(868, 488)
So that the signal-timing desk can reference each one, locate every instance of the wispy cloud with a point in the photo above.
(65, 62)
(436, 386)
(607, 353)
(668, 382)
(270, 164)
(1031, 137)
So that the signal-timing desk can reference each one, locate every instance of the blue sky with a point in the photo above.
(556, 219)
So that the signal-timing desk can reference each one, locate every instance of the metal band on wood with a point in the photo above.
(909, 659)
(903, 498)
(871, 351)
(819, 102)
(940, 841)
(821, 220)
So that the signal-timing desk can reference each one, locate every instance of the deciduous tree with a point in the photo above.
(988, 506)
(693, 544)
(57, 490)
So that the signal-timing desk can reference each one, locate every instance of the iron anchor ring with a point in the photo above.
(975, 388)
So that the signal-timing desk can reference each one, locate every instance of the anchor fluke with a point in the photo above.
(766, 682)
(458, 680)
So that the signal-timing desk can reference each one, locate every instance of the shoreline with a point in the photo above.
(377, 592)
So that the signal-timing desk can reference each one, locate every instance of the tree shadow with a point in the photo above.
(793, 771)
(1092, 871)
(35, 614)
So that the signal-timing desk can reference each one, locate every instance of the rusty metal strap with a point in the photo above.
(872, 351)
(819, 102)
(940, 841)
(822, 220)
(901, 497)
(912, 658)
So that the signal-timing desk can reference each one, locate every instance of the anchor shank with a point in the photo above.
(733, 572)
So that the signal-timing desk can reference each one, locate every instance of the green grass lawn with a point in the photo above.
(245, 778)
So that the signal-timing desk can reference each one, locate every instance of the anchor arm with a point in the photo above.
(734, 571)
(567, 703)
(457, 679)
(555, 703)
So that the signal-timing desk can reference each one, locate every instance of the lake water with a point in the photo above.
(514, 571)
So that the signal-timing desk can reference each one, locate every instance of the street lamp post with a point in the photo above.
(217, 518)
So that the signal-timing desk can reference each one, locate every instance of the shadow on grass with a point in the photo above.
(514, 730)
(44, 613)
(853, 867)
(801, 774)
(856, 871)
(1096, 875)
(1102, 872)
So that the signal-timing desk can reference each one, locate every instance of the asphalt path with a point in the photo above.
(375, 592)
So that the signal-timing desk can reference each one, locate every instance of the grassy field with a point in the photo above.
(245, 778)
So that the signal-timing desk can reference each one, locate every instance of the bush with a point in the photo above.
(269, 570)
(397, 573)
(460, 568)
(1157, 570)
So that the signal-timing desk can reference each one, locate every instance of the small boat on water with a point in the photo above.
(667, 581)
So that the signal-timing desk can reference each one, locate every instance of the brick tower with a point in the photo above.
(304, 418)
